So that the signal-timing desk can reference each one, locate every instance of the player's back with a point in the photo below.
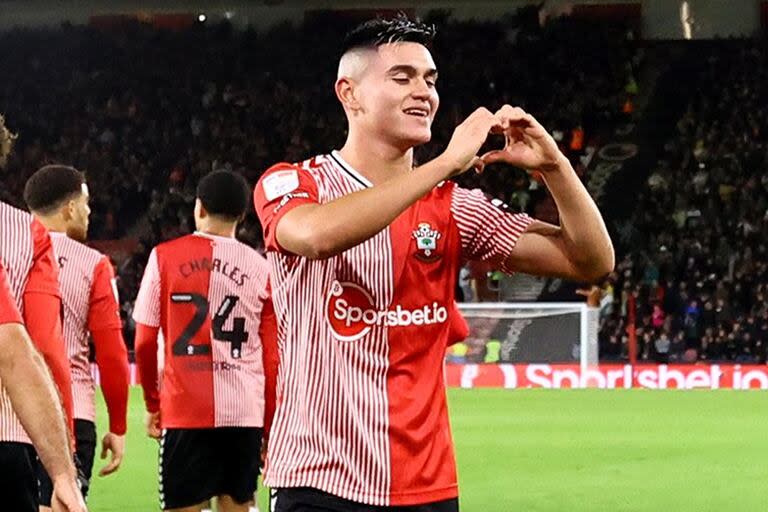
(211, 292)
(78, 268)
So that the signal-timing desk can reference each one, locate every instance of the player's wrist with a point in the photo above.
(558, 165)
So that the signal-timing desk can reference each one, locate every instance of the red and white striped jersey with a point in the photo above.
(361, 407)
(206, 294)
(90, 303)
(9, 313)
(27, 255)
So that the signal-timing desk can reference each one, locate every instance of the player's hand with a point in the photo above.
(527, 144)
(115, 444)
(152, 423)
(468, 137)
(66, 495)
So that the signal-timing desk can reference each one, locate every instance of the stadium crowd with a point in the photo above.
(146, 113)
(701, 279)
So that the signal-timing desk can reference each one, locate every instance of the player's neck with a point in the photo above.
(225, 230)
(52, 223)
(376, 160)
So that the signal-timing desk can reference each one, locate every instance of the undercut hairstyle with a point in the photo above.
(6, 141)
(376, 32)
(51, 187)
(224, 194)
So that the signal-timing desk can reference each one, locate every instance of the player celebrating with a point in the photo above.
(58, 196)
(365, 250)
(207, 293)
(32, 277)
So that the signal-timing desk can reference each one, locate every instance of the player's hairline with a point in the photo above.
(352, 62)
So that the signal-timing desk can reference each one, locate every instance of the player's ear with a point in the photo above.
(346, 93)
(200, 211)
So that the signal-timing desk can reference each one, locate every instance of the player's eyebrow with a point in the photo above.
(411, 70)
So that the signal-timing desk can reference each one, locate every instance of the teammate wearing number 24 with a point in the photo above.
(207, 294)
(364, 251)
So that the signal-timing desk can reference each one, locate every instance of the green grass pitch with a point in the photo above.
(559, 450)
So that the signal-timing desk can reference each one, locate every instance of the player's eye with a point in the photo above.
(401, 79)
(431, 83)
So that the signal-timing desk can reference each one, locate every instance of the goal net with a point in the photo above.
(536, 332)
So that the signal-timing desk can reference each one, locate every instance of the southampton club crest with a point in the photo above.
(426, 242)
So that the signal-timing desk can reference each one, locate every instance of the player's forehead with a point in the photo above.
(405, 55)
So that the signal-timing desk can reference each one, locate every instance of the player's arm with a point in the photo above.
(112, 359)
(319, 231)
(32, 392)
(580, 248)
(146, 313)
(42, 316)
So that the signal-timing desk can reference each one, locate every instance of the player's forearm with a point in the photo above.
(583, 230)
(325, 230)
(35, 400)
(112, 360)
(146, 362)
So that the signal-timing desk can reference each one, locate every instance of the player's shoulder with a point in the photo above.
(10, 214)
(85, 253)
(308, 167)
(176, 246)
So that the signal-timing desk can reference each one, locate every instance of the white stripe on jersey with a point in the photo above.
(331, 429)
(77, 263)
(239, 392)
(16, 251)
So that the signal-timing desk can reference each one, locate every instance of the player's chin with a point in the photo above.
(417, 137)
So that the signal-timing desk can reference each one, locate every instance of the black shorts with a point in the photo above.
(18, 477)
(199, 464)
(85, 446)
(306, 499)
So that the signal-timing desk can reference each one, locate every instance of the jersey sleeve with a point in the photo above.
(147, 308)
(488, 230)
(9, 313)
(282, 188)
(43, 311)
(104, 308)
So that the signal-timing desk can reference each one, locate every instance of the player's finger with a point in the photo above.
(113, 466)
(104, 450)
(496, 155)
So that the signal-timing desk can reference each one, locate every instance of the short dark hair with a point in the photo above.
(224, 194)
(378, 31)
(51, 186)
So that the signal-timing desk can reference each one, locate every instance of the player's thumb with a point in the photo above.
(104, 449)
(494, 156)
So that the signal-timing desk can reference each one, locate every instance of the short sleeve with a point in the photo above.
(489, 232)
(9, 313)
(104, 310)
(147, 308)
(282, 188)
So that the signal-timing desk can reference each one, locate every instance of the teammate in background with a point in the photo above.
(57, 196)
(31, 274)
(34, 399)
(366, 250)
(207, 293)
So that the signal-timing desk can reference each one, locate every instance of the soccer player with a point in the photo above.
(365, 251)
(58, 196)
(33, 398)
(31, 275)
(206, 293)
